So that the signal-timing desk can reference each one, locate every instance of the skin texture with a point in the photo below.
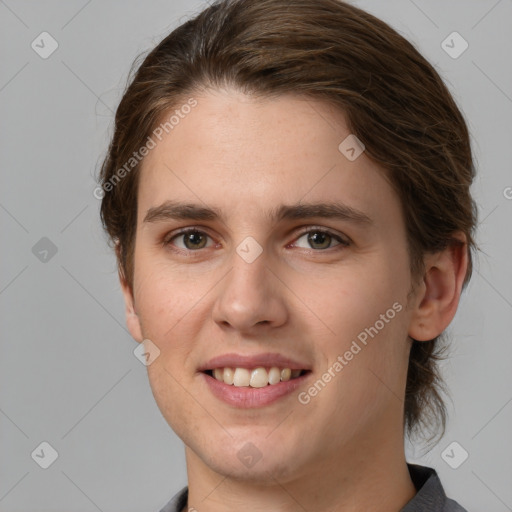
(344, 450)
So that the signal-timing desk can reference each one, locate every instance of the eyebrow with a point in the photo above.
(173, 210)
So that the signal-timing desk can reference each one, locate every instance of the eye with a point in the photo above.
(192, 239)
(321, 239)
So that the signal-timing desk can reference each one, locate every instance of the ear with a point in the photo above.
(438, 295)
(132, 319)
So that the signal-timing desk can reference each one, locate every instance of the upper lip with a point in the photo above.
(265, 360)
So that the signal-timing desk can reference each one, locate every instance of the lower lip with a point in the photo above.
(246, 397)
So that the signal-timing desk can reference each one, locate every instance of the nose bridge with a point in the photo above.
(248, 294)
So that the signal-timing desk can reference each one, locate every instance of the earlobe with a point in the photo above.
(437, 302)
(132, 318)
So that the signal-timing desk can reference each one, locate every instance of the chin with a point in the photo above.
(259, 462)
(262, 473)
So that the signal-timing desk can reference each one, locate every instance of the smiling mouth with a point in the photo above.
(259, 377)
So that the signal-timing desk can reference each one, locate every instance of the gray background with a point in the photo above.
(68, 375)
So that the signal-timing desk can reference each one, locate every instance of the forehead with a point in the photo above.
(251, 155)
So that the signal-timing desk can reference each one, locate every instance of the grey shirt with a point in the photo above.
(430, 495)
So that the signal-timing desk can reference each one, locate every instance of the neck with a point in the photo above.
(370, 474)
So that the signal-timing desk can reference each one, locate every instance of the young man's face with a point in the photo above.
(250, 284)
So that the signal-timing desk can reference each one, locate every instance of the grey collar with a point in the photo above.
(430, 495)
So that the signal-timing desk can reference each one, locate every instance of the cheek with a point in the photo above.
(175, 405)
(163, 298)
(366, 310)
(172, 310)
(354, 299)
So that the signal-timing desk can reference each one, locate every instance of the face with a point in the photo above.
(263, 279)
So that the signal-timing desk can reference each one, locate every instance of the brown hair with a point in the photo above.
(393, 101)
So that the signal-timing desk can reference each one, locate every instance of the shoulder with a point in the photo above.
(453, 506)
(178, 502)
(430, 495)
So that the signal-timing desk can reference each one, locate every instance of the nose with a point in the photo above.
(250, 296)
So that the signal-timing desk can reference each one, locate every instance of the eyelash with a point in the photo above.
(343, 243)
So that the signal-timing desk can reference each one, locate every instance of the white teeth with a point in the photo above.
(242, 377)
(259, 378)
(255, 378)
(229, 375)
(274, 375)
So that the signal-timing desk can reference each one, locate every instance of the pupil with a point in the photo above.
(191, 236)
(314, 238)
